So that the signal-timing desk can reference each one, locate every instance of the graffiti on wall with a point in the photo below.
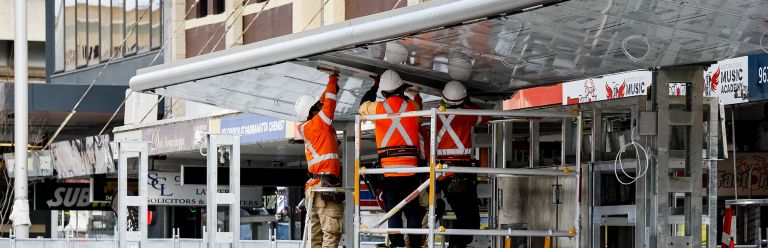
(754, 164)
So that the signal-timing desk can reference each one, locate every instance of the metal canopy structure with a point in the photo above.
(494, 46)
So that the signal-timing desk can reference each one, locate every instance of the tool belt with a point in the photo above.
(327, 180)
(397, 151)
(461, 182)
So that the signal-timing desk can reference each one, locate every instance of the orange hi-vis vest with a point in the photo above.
(454, 137)
(397, 133)
(320, 144)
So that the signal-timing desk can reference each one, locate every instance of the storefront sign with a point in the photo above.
(65, 196)
(84, 156)
(174, 137)
(758, 77)
(728, 80)
(755, 164)
(39, 163)
(677, 89)
(165, 189)
(616, 86)
(254, 128)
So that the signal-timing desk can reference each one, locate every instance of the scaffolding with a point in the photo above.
(436, 169)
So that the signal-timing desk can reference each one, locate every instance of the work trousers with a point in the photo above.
(326, 221)
(466, 207)
(395, 190)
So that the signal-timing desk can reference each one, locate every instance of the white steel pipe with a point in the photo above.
(403, 22)
(474, 170)
(472, 112)
(331, 189)
(20, 214)
(401, 204)
(471, 232)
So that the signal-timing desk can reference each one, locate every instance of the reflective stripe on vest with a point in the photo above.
(396, 125)
(456, 151)
(316, 158)
(446, 128)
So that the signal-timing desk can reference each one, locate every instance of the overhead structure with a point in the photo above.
(493, 46)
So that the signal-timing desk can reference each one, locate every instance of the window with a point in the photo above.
(93, 50)
(131, 27)
(81, 32)
(106, 29)
(90, 32)
(59, 34)
(202, 8)
(157, 20)
(143, 28)
(70, 45)
(218, 7)
(118, 27)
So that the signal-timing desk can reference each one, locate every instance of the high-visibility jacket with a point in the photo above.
(454, 136)
(320, 144)
(395, 133)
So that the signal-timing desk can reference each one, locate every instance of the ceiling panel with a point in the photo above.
(571, 40)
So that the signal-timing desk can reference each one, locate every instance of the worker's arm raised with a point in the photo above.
(368, 101)
(329, 99)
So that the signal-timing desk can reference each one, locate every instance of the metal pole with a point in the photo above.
(211, 204)
(733, 138)
(356, 195)
(20, 213)
(432, 162)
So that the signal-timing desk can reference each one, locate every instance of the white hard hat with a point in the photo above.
(390, 81)
(454, 93)
(395, 53)
(303, 105)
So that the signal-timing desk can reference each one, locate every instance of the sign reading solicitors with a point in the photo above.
(615, 86)
(165, 189)
(254, 128)
(174, 137)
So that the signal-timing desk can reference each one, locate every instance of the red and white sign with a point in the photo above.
(728, 80)
(677, 89)
(615, 86)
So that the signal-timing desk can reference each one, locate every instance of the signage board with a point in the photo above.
(758, 77)
(84, 156)
(174, 137)
(254, 128)
(66, 196)
(165, 188)
(728, 81)
(39, 163)
(628, 84)
(746, 163)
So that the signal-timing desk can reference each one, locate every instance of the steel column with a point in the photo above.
(126, 150)
(231, 197)
(20, 214)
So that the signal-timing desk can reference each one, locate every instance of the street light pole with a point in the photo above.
(20, 213)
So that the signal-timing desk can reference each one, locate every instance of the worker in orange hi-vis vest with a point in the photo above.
(396, 140)
(322, 151)
(454, 148)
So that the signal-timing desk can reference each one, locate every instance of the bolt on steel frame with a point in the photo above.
(435, 168)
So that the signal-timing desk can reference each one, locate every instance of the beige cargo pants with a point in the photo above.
(326, 222)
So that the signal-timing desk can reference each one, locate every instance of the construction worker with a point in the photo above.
(322, 151)
(454, 148)
(396, 140)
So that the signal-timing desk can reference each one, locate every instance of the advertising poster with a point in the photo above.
(39, 163)
(84, 156)
(755, 164)
(174, 137)
(728, 80)
(609, 87)
(758, 77)
(254, 128)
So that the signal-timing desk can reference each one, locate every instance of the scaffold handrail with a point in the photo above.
(476, 170)
(472, 112)
(331, 189)
(473, 232)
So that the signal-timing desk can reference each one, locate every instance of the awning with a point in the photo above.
(494, 46)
